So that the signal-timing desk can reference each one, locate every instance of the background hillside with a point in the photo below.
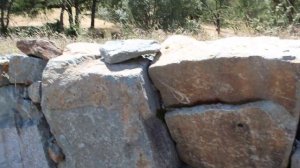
(66, 21)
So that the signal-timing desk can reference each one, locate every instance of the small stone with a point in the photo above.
(122, 50)
(39, 48)
(25, 70)
(34, 92)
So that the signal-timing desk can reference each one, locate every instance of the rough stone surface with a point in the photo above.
(25, 70)
(4, 64)
(231, 70)
(295, 161)
(259, 134)
(21, 142)
(35, 91)
(105, 115)
(82, 48)
(39, 48)
(122, 50)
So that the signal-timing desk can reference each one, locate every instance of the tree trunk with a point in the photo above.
(5, 7)
(61, 19)
(2, 20)
(290, 14)
(70, 13)
(217, 16)
(218, 23)
(93, 14)
(77, 13)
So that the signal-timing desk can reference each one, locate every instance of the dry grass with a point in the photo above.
(51, 16)
(8, 46)
(207, 32)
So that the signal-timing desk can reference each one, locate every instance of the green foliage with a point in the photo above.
(152, 14)
(73, 31)
(28, 7)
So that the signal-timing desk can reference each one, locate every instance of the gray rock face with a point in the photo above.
(256, 135)
(232, 70)
(120, 51)
(25, 70)
(35, 91)
(39, 48)
(21, 142)
(105, 116)
(295, 161)
(4, 64)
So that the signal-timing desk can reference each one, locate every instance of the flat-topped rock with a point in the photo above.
(39, 48)
(259, 134)
(25, 70)
(231, 70)
(122, 50)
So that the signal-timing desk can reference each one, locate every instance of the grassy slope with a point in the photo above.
(8, 45)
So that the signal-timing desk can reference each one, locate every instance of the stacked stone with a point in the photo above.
(227, 103)
(232, 102)
(24, 132)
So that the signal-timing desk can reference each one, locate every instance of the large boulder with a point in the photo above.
(4, 64)
(25, 70)
(122, 50)
(259, 134)
(231, 70)
(39, 48)
(22, 139)
(105, 115)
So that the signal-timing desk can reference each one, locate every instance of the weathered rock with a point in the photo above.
(21, 142)
(232, 70)
(4, 64)
(39, 48)
(35, 91)
(255, 135)
(105, 115)
(82, 49)
(25, 70)
(122, 50)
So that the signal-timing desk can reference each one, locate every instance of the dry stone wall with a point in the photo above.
(226, 103)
